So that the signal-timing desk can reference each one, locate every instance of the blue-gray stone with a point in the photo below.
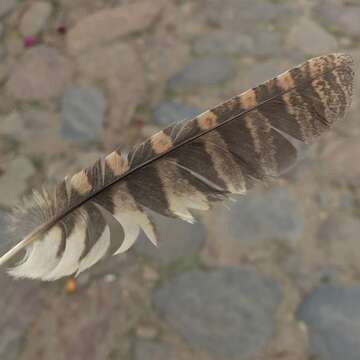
(177, 239)
(204, 71)
(82, 113)
(168, 112)
(332, 315)
(265, 216)
(226, 312)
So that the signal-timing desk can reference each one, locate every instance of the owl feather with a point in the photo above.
(189, 165)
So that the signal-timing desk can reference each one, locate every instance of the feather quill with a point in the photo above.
(186, 166)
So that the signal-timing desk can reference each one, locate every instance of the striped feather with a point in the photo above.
(186, 166)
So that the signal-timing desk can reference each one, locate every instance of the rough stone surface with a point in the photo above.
(121, 70)
(168, 112)
(20, 304)
(109, 24)
(343, 19)
(35, 18)
(103, 313)
(40, 74)
(6, 6)
(154, 351)
(205, 71)
(82, 113)
(4, 239)
(341, 154)
(271, 215)
(176, 238)
(13, 181)
(332, 315)
(339, 237)
(311, 38)
(227, 312)
(224, 42)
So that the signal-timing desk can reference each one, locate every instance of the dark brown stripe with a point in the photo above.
(146, 188)
(195, 157)
(94, 228)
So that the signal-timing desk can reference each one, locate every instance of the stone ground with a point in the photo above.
(274, 276)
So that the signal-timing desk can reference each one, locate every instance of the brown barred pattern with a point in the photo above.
(186, 166)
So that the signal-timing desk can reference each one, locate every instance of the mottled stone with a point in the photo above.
(311, 38)
(168, 112)
(205, 71)
(12, 124)
(91, 324)
(339, 17)
(267, 44)
(20, 304)
(332, 315)
(339, 239)
(224, 43)
(340, 154)
(151, 350)
(109, 24)
(177, 239)
(40, 74)
(271, 215)
(82, 113)
(6, 6)
(119, 66)
(13, 182)
(240, 15)
(226, 312)
(255, 223)
(4, 238)
(35, 18)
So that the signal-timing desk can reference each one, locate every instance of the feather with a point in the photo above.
(186, 166)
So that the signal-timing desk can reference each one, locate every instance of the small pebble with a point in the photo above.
(70, 286)
(146, 332)
(109, 278)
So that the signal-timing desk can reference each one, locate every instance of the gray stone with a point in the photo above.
(168, 112)
(264, 216)
(151, 350)
(177, 239)
(267, 43)
(205, 71)
(6, 6)
(339, 239)
(82, 113)
(13, 182)
(228, 312)
(339, 18)
(242, 14)
(40, 74)
(20, 304)
(35, 18)
(332, 315)
(224, 43)
(311, 38)
(4, 238)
